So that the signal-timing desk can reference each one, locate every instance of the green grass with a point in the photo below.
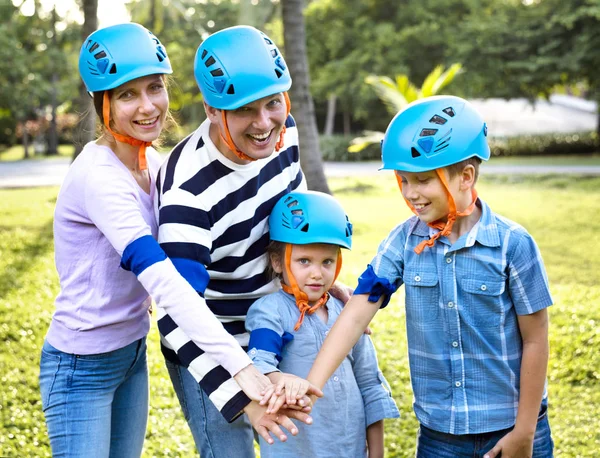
(17, 153)
(563, 217)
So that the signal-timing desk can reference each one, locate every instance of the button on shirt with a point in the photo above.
(462, 303)
(357, 395)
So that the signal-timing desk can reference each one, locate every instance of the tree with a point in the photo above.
(304, 111)
(396, 95)
(85, 106)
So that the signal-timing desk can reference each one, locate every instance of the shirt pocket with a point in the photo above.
(482, 301)
(303, 344)
(422, 296)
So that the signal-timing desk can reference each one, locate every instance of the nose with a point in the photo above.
(146, 103)
(315, 272)
(261, 119)
(409, 192)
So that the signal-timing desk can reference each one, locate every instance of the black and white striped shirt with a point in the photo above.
(213, 225)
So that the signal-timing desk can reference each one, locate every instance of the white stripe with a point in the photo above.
(201, 366)
(224, 393)
(186, 233)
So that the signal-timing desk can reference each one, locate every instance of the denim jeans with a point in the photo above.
(214, 437)
(95, 405)
(434, 444)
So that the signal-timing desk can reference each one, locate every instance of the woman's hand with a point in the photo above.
(264, 423)
(255, 385)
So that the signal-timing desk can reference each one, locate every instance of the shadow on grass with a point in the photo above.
(24, 257)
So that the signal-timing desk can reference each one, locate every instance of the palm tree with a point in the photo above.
(294, 33)
(397, 94)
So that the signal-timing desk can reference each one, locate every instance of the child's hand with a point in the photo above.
(514, 445)
(291, 391)
(256, 386)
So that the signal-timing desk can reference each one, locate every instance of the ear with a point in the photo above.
(212, 113)
(467, 177)
(276, 263)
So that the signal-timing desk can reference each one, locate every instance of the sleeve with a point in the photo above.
(375, 390)
(383, 276)
(527, 279)
(267, 336)
(112, 206)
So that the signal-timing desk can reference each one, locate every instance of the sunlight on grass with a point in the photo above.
(563, 217)
(17, 153)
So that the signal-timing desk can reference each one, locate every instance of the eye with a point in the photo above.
(125, 95)
(157, 87)
(242, 110)
(274, 102)
(303, 261)
(328, 262)
(423, 180)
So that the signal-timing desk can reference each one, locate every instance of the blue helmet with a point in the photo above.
(239, 65)
(302, 218)
(432, 133)
(120, 53)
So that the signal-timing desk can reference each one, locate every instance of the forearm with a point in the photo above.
(534, 366)
(346, 331)
(375, 442)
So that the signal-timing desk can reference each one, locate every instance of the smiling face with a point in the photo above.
(139, 107)
(313, 266)
(426, 193)
(254, 128)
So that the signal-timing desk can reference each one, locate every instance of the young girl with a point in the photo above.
(307, 231)
(93, 372)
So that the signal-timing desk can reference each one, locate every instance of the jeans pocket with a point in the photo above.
(49, 367)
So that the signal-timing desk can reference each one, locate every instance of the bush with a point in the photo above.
(335, 148)
(547, 144)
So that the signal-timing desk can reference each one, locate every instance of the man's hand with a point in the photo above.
(255, 385)
(264, 423)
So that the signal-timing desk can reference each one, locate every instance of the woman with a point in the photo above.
(93, 372)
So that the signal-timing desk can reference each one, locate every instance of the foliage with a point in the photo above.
(28, 285)
(335, 148)
(546, 144)
(396, 95)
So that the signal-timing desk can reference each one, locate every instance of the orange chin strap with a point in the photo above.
(301, 297)
(229, 141)
(445, 228)
(124, 138)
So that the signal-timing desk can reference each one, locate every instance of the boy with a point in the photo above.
(476, 295)
(216, 191)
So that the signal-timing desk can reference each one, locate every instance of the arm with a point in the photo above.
(112, 206)
(534, 364)
(346, 331)
(375, 443)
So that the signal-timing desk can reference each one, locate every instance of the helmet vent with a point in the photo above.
(113, 69)
(211, 60)
(414, 152)
(274, 52)
(100, 55)
(269, 42)
(305, 228)
(94, 47)
(231, 90)
(204, 52)
(438, 120)
(449, 111)
(160, 58)
(217, 72)
(278, 73)
(427, 132)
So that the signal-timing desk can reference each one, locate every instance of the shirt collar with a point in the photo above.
(485, 231)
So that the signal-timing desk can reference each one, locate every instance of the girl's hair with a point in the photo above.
(277, 250)
(170, 122)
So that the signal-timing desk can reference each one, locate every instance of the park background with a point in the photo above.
(354, 63)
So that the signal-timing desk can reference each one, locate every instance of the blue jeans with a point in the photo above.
(95, 405)
(214, 437)
(434, 444)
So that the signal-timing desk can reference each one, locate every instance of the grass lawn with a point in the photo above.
(583, 160)
(565, 220)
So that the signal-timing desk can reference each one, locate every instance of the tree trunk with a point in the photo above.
(25, 140)
(346, 117)
(53, 130)
(330, 119)
(87, 123)
(303, 108)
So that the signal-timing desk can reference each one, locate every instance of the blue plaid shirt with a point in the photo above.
(462, 302)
